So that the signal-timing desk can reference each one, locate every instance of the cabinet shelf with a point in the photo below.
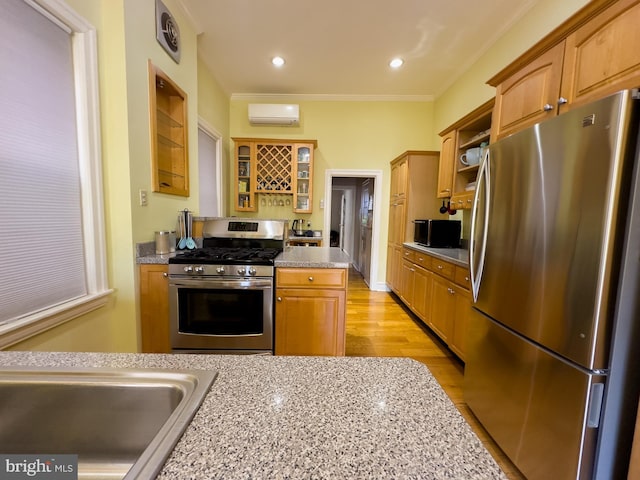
(169, 151)
(469, 132)
(475, 141)
(468, 170)
(166, 119)
(167, 142)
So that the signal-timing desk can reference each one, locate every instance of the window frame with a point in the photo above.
(87, 96)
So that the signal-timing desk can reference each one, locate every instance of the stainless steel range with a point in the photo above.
(221, 295)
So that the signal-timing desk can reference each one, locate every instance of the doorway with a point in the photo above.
(209, 171)
(352, 218)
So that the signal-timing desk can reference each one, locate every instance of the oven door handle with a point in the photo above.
(254, 283)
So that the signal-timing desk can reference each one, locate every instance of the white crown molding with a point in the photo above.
(319, 97)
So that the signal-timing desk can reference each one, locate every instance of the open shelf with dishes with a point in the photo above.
(463, 146)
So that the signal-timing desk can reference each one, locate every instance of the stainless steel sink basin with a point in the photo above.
(121, 423)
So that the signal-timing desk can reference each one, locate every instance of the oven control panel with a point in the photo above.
(177, 270)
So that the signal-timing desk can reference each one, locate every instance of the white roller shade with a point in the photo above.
(41, 253)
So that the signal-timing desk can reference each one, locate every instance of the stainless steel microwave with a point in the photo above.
(437, 233)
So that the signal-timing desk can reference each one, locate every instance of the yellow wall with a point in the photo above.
(126, 40)
(213, 108)
(350, 135)
(470, 89)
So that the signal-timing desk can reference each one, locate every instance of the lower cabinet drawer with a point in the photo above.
(311, 277)
(462, 277)
(445, 269)
(422, 259)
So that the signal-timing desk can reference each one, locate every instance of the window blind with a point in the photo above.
(41, 253)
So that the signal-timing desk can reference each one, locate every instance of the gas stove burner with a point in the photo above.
(219, 255)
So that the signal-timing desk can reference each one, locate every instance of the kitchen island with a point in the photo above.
(311, 301)
(318, 257)
(309, 417)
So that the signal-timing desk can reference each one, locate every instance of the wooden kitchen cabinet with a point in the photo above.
(168, 122)
(588, 57)
(442, 308)
(395, 240)
(416, 284)
(530, 95)
(602, 56)
(413, 183)
(471, 131)
(154, 309)
(438, 293)
(448, 157)
(399, 178)
(461, 315)
(450, 304)
(245, 171)
(302, 178)
(268, 166)
(310, 311)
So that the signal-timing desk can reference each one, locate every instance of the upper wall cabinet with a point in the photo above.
(602, 56)
(168, 116)
(529, 95)
(591, 55)
(460, 155)
(268, 166)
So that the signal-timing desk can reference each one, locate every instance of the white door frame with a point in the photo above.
(217, 137)
(329, 174)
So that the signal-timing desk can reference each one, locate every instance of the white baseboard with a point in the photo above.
(379, 287)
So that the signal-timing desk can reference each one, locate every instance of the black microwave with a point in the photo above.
(437, 233)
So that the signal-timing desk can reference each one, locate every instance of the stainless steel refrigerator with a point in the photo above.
(553, 365)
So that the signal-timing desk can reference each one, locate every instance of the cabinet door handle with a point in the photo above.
(440, 267)
(562, 101)
(547, 107)
(165, 274)
(466, 279)
(279, 299)
(311, 279)
(412, 269)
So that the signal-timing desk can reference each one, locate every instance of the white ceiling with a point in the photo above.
(343, 47)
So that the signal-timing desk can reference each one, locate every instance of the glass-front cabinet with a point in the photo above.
(303, 172)
(245, 176)
(264, 167)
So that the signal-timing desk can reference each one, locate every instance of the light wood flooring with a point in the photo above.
(379, 325)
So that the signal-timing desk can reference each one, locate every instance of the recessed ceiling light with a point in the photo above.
(396, 63)
(277, 61)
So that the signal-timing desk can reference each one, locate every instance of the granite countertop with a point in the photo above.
(309, 417)
(146, 253)
(458, 256)
(312, 257)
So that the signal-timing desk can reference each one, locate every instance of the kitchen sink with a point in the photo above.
(121, 423)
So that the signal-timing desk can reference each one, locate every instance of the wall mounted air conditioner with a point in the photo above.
(274, 114)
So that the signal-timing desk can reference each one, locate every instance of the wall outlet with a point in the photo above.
(143, 198)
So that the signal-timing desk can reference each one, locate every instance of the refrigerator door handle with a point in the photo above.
(481, 200)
